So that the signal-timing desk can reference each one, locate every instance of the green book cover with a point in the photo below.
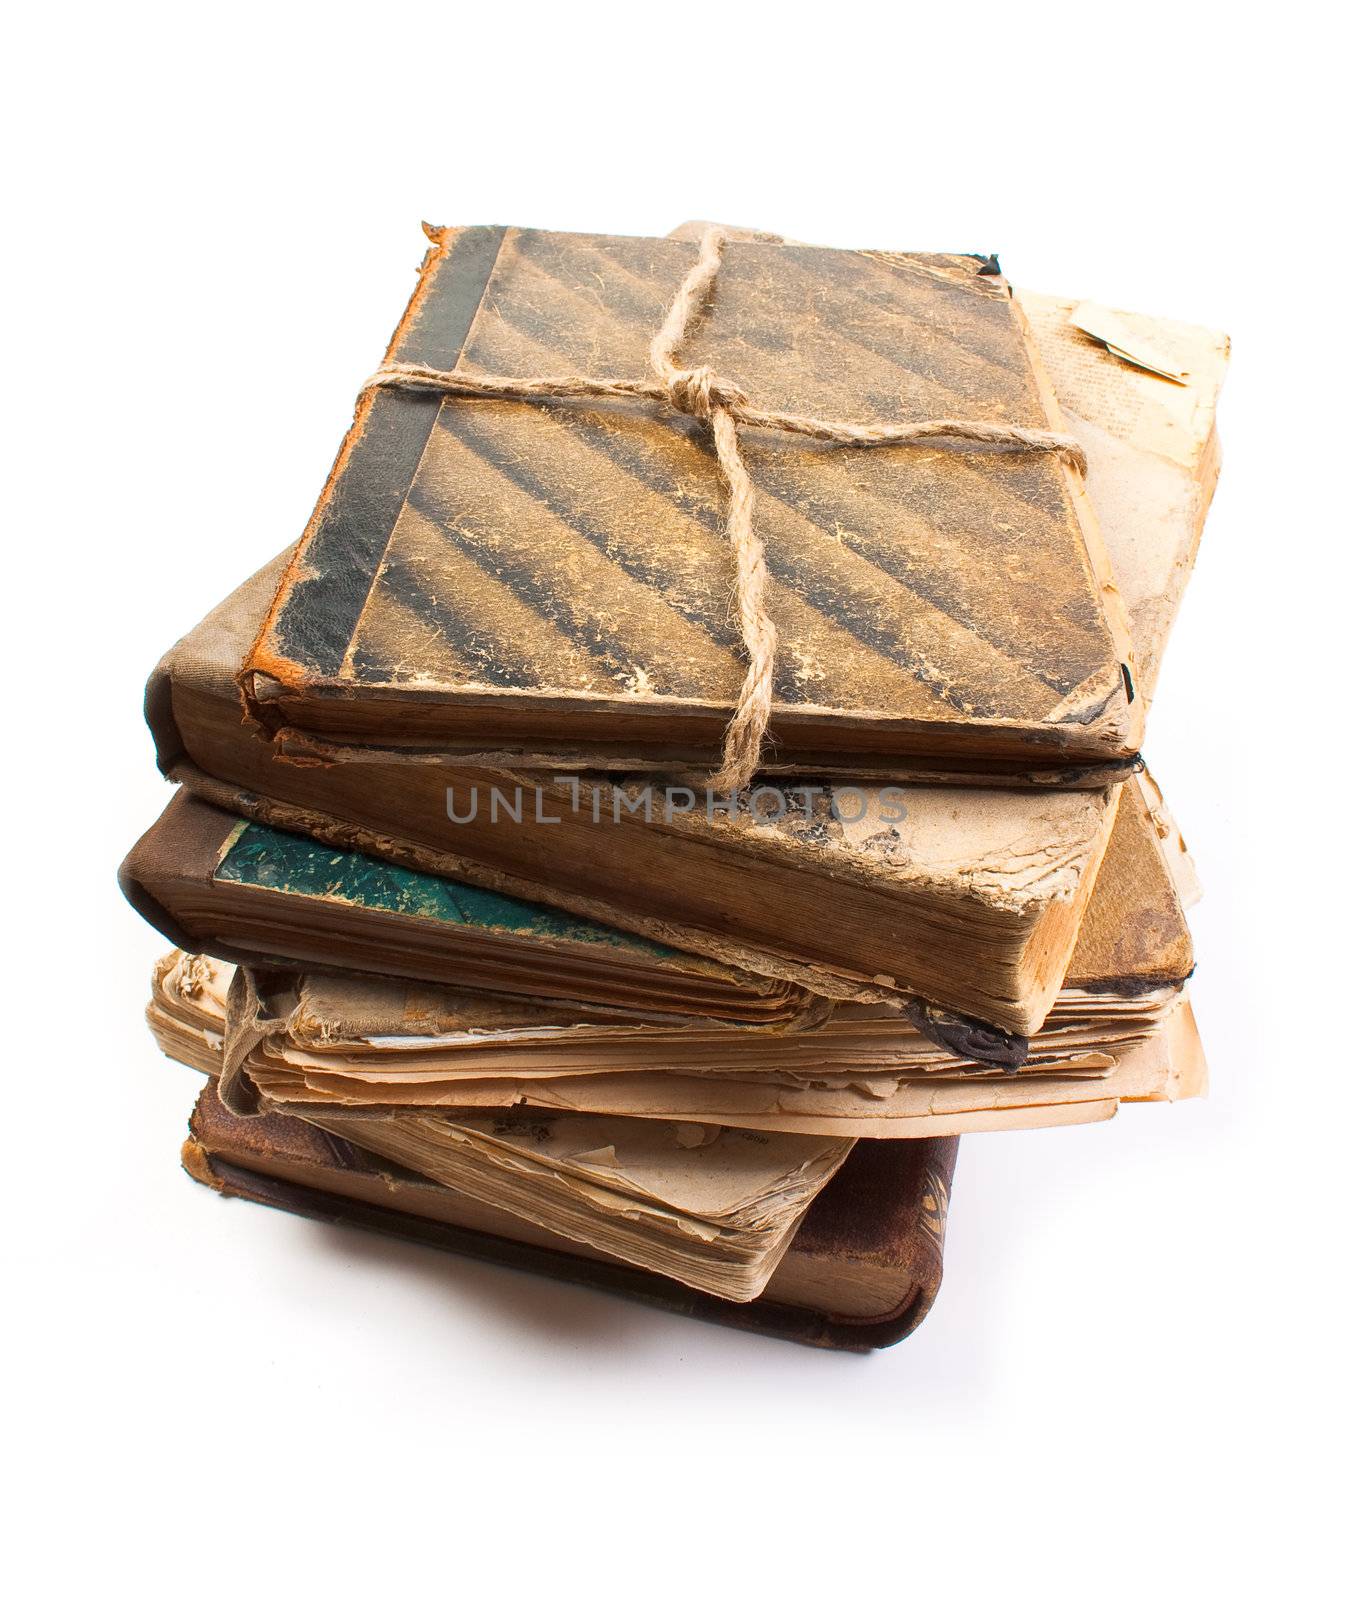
(286, 863)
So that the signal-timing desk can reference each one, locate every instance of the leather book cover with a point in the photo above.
(861, 1273)
(251, 894)
(554, 580)
(248, 893)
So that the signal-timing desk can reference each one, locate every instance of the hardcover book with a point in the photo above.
(549, 583)
(250, 893)
(861, 1272)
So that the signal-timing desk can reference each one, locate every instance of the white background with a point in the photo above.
(1131, 1377)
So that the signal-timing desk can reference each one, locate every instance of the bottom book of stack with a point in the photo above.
(856, 1271)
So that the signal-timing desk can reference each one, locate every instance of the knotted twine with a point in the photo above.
(723, 408)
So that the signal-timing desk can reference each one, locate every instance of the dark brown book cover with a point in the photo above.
(862, 1271)
(247, 893)
(552, 580)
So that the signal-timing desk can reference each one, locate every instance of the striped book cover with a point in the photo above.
(552, 579)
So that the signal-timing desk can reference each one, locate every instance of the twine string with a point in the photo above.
(723, 408)
(244, 1029)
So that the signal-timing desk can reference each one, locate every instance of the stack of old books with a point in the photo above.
(478, 940)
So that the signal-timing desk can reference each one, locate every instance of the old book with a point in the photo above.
(331, 1059)
(244, 891)
(549, 584)
(712, 1207)
(1165, 1063)
(861, 1272)
(816, 902)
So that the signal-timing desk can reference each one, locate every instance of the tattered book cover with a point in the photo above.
(553, 578)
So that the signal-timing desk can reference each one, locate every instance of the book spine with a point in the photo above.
(318, 602)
